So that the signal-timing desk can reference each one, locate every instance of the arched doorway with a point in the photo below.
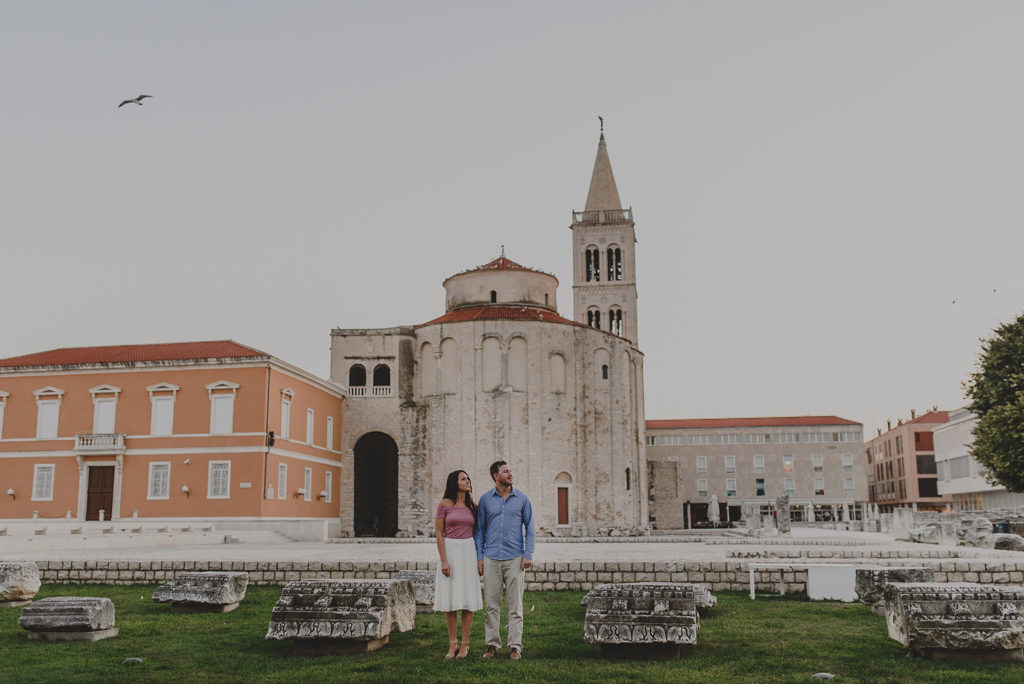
(376, 486)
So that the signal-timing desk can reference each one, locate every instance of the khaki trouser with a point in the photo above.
(504, 575)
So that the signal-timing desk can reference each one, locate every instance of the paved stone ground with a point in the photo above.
(695, 547)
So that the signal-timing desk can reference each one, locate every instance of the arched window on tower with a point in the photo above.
(614, 263)
(593, 264)
(357, 376)
(594, 318)
(615, 321)
(627, 479)
(604, 372)
(494, 296)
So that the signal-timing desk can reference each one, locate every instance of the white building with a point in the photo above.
(962, 476)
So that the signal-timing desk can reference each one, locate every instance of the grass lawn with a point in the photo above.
(772, 639)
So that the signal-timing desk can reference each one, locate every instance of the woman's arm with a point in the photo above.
(439, 528)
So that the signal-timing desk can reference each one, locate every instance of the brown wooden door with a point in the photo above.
(563, 505)
(101, 492)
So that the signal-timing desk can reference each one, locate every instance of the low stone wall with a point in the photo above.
(548, 576)
(875, 554)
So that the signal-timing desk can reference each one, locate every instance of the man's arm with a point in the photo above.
(480, 534)
(531, 536)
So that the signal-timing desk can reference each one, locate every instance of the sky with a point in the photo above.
(826, 195)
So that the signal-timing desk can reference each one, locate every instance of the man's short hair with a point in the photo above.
(496, 466)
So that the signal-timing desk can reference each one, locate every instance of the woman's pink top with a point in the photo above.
(458, 521)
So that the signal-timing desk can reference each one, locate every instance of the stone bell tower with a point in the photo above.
(604, 256)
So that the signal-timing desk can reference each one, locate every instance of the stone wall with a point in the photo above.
(548, 576)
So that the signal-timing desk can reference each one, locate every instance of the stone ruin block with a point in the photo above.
(643, 619)
(19, 582)
(957, 621)
(69, 618)
(871, 581)
(1008, 542)
(203, 592)
(422, 587)
(342, 616)
(703, 598)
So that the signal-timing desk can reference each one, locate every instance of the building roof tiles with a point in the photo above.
(500, 312)
(134, 353)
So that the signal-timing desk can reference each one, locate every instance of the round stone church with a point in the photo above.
(501, 375)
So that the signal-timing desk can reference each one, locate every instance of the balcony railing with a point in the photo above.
(369, 391)
(603, 216)
(109, 443)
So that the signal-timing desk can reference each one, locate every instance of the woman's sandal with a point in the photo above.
(451, 649)
(463, 650)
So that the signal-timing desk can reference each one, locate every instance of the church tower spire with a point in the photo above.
(604, 258)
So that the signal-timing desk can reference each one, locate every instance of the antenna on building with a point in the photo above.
(601, 119)
(503, 250)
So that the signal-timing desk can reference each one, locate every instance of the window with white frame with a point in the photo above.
(819, 486)
(104, 402)
(161, 416)
(759, 488)
(3, 405)
(730, 463)
(307, 485)
(848, 486)
(758, 463)
(328, 486)
(787, 463)
(42, 482)
(48, 415)
(730, 486)
(790, 485)
(702, 487)
(702, 464)
(219, 486)
(282, 480)
(847, 463)
(819, 462)
(222, 406)
(329, 443)
(310, 422)
(286, 412)
(159, 480)
(650, 440)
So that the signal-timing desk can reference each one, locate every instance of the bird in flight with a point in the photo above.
(137, 101)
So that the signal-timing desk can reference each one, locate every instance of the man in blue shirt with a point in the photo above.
(503, 553)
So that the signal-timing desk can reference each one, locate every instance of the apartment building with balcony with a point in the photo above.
(205, 431)
(901, 463)
(816, 460)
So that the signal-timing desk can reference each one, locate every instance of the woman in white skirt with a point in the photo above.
(457, 586)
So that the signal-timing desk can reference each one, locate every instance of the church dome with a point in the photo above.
(501, 282)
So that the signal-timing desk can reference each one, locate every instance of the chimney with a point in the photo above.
(888, 425)
(935, 407)
(899, 421)
(879, 431)
(913, 414)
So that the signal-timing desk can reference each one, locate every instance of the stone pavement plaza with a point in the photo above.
(704, 546)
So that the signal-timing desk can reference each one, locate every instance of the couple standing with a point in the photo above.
(498, 534)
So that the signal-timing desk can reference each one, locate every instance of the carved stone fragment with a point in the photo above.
(69, 618)
(1009, 542)
(871, 582)
(650, 619)
(19, 582)
(194, 592)
(422, 587)
(703, 598)
(957, 621)
(976, 533)
(342, 616)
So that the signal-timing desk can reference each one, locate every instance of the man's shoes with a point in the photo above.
(490, 652)
(514, 654)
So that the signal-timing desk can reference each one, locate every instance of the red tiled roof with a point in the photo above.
(133, 353)
(932, 417)
(500, 264)
(495, 312)
(784, 421)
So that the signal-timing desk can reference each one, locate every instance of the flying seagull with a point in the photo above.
(137, 101)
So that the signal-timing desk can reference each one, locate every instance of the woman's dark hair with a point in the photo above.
(451, 492)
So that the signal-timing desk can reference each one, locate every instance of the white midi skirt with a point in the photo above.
(461, 590)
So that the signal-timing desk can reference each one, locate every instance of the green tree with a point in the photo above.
(996, 392)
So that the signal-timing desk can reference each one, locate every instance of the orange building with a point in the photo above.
(210, 431)
(901, 464)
